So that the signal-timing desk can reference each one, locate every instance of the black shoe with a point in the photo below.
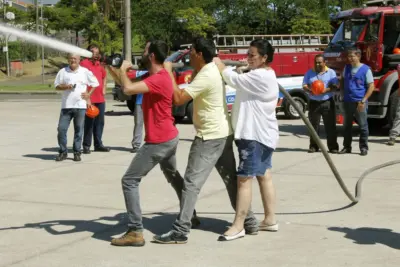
(251, 231)
(345, 151)
(77, 156)
(102, 149)
(134, 150)
(61, 156)
(364, 152)
(170, 238)
(195, 221)
(391, 142)
(312, 150)
(86, 150)
(333, 151)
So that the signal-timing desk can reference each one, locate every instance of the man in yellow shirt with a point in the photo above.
(213, 144)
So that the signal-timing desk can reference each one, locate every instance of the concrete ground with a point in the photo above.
(64, 214)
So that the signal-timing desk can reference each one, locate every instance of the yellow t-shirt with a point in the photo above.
(210, 113)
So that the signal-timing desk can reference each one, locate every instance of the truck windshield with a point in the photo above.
(349, 31)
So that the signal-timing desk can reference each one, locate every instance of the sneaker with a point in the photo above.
(170, 238)
(345, 150)
(251, 231)
(134, 150)
(312, 150)
(86, 150)
(195, 221)
(130, 238)
(77, 156)
(364, 152)
(101, 149)
(391, 142)
(61, 156)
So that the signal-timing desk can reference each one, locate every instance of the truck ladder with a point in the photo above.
(283, 43)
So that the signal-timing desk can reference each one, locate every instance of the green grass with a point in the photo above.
(27, 87)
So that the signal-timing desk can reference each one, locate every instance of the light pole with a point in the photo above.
(128, 37)
(7, 16)
(41, 18)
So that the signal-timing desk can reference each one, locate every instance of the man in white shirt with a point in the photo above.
(73, 81)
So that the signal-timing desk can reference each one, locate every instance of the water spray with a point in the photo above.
(45, 41)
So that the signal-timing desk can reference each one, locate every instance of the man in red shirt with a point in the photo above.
(161, 136)
(95, 126)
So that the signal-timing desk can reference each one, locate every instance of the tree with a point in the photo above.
(196, 22)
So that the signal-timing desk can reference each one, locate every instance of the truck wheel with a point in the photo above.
(130, 103)
(290, 110)
(189, 112)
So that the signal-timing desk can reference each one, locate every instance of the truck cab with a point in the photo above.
(375, 30)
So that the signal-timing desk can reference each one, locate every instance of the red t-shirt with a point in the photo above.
(100, 73)
(157, 109)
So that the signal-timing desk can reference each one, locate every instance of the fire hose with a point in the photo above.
(358, 192)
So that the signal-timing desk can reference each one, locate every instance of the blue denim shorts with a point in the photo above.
(254, 158)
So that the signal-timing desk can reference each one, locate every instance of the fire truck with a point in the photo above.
(375, 30)
(294, 55)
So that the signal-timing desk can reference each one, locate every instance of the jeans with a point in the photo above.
(204, 155)
(327, 110)
(350, 111)
(148, 156)
(66, 115)
(395, 131)
(138, 128)
(94, 127)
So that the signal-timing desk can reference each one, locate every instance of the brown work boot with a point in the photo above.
(130, 238)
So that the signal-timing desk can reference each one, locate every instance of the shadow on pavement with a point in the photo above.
(158, 224)
(40, 156)
(113, 113)
(370, 236)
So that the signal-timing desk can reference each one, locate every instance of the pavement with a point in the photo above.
(65, 213)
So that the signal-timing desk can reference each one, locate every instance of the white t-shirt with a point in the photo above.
(253, 113)
(81, 77)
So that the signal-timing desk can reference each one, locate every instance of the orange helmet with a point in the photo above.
(396, 50)
(317, 87)
(92, 111)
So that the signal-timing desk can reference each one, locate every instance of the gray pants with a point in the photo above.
(148, 156)
(395, 131)
(138, 128)
(203, 157)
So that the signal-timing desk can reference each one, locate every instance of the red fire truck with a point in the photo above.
(375, 30)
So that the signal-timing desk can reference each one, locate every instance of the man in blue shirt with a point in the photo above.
(356, 86)
(323, 104)
(138, 117)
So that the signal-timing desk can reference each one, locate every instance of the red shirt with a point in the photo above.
(157, 109)
(100, 73)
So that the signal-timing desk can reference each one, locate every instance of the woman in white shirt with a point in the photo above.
(256, 133)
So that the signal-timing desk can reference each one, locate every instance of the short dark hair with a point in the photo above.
(318, 56)
(264, 48)
(93, 46)
(206, 47)
(354, 50)
(160, 50)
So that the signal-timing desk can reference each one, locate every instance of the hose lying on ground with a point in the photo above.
(354, 199)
